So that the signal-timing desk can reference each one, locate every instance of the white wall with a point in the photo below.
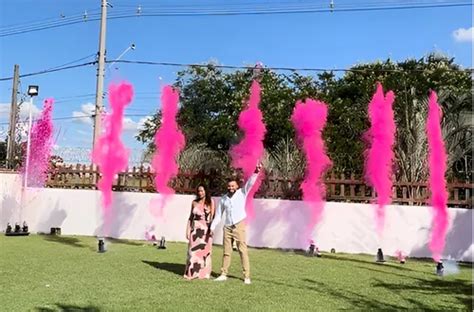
(278, 223)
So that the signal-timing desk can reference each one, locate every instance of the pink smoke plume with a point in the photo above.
(437, 183)
(150, 233)
(379, 155)
(40, 147)
(249, 152)
(309, 119)
(110, 153)
(400, 256)
(169, 142)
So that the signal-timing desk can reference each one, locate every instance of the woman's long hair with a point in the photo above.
(207, 196)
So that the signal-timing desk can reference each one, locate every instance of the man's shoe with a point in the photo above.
(247, 281)
(221, 278)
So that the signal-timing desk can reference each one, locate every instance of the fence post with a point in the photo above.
(352, 186)
(275, 186)
(342, 186)
(332, 187)
(456, 194)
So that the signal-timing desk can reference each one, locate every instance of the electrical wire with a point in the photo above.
(72, 62)
(81, 117)
(47, 71)
(276, 68)
(237, 10)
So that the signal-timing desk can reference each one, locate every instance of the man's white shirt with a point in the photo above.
(233, 208)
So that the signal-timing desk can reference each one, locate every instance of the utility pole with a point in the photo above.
(99, 95)
(13, 115)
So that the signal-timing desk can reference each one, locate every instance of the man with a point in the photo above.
(232, 209)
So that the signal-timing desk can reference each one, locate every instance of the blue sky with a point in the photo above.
(321, 40)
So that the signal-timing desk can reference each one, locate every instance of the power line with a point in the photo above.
(157, 92)
(22, 30)
(51, 19)
(81, 117)
(58, 118)
(72, 62)
(90, 99)
(74, 96)
(35, 26)
(297, 8)
(282, 11)
(47, 71)
(250, 10)
(276, 68)
(138, 96)
(254, 4)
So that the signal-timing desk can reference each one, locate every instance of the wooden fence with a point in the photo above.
(339, 187)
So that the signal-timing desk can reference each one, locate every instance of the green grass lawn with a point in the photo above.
(58, 273)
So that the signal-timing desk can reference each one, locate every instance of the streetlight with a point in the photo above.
(130, 47)
(32, 92)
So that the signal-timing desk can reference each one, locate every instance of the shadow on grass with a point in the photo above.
(459, 289)
(123, 241)
(357, 300)
(389, 272)
(353, 300)
(215, 274)
(69, 308)
(388, 264)
(71, 241)
(176, 268)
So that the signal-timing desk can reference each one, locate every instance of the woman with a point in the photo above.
(199, 264)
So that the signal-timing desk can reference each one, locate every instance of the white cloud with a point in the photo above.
(24, 110)
(22, 128)
(4, 110)
(130, 125)
(463, 34)
(142, 121)
(85, 114)
(84, 133)
(22, 123)
(3, 133)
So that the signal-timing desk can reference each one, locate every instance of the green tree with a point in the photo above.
(411, 81)
(211, 100)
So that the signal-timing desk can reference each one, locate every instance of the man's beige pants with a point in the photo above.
(237, 233)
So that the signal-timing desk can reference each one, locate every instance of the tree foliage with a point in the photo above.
(211, 100)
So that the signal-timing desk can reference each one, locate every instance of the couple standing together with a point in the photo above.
(204, 219)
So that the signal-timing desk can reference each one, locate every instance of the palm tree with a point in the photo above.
(411, 146)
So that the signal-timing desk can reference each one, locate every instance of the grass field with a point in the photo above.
(58, 273)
